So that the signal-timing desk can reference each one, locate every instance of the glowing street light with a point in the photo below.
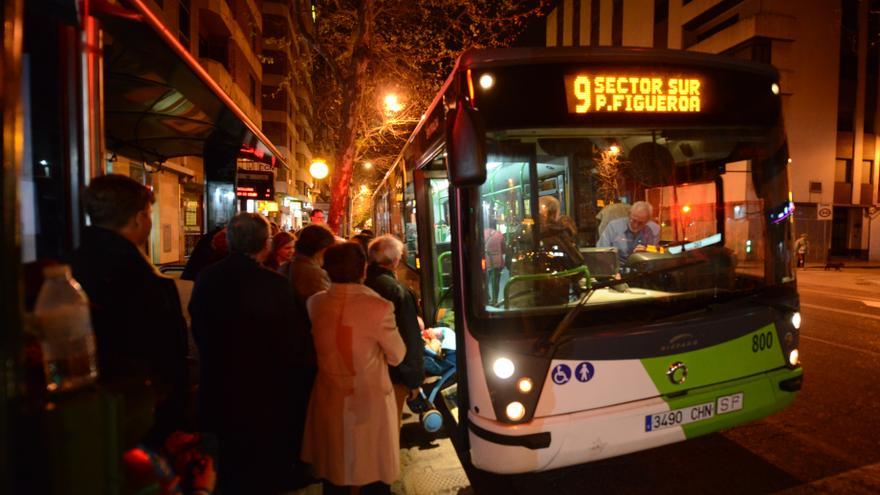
(319, 169)
(368, 165)
(392, 104)
(614, 149)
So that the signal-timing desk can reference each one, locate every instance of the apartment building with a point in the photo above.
(225, 37)
(826, 52)
(287, 106)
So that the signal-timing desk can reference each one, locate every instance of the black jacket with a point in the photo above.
(139, 327)
(410, 372)
(252, 344)
(556, 236)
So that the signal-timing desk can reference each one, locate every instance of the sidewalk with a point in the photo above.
(428, 463)
(846, 264)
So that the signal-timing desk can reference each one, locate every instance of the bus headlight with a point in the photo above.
(794, 357)
(524, 385)
(515, 411)
(487, 81)
(796, 320)
(503, 368)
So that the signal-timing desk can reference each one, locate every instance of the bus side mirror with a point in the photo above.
(466, 146)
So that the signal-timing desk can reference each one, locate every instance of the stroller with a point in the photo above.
(439, 362)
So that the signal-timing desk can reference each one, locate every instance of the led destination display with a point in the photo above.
(629, 93)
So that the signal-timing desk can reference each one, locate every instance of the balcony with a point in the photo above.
(221, 76)
(843, 193)
(303, 149)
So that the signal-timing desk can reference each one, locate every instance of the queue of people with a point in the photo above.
(307, 347)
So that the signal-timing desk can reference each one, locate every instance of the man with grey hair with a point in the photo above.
(252, 345)
(384, 255)
(633, 234)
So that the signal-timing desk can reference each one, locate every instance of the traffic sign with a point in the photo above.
(824, 211)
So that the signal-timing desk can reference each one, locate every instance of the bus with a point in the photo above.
(608, 232)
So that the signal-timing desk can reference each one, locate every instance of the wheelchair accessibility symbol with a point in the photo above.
(561, 374)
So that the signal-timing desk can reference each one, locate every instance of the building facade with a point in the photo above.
(250, 50)
(826, 52)
(287, 106)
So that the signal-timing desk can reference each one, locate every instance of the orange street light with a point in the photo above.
(319, 169)
(392, 104)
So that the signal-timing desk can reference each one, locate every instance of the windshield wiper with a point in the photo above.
(545, 343)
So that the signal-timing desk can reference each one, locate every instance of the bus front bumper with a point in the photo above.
(552, 442)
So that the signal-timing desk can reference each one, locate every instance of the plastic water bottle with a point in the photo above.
(65, 327)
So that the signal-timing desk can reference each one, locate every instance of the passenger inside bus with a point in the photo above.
(576, 210)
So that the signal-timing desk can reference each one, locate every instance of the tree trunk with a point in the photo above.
(343, 170)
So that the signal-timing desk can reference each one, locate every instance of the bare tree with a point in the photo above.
(365, 49)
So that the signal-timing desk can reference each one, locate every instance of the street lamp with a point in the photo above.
(319, 169)
(392, 104)
(368, 165)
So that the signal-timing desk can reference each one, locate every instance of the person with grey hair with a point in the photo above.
(631, 234)
(385, 253)
(254, 373)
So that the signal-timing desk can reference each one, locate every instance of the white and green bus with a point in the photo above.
(608, 232)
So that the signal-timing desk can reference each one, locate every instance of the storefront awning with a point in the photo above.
(160, 103)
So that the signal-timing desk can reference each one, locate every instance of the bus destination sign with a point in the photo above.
(621, 93)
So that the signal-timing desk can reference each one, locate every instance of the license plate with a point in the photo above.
(699, 412)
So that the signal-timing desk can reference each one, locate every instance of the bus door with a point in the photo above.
(436, 259)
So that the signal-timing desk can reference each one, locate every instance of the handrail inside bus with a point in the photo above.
(440, 273)
(582, 270)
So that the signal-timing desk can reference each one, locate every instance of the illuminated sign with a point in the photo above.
(267, 206)
(255, 185)
(594, 93)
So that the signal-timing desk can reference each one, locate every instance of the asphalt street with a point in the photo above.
(828, 441)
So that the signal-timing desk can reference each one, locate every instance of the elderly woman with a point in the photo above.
(352, 437)
(385, 253)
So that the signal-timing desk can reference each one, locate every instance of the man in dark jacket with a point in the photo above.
(139, 327)
(252, 345)
(384, 254)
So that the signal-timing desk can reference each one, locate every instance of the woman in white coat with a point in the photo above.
(351, 435)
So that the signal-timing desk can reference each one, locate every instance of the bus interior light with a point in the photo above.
(524, 385)
(515, 411)
(793, 358)
(774, 88)
(796, 320)
(503, 368)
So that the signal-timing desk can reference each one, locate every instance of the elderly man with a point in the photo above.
(633, 234)
(139, 327)
(253, 345)
(385, 253)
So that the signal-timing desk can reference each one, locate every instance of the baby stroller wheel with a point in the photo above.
(431, 420)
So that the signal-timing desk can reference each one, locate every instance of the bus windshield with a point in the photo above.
(673, 213)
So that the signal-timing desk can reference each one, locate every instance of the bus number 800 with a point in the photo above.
(762, 341)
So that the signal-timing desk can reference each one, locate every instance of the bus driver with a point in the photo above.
(633, 234)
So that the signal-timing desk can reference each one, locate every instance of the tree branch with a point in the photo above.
(313, 42)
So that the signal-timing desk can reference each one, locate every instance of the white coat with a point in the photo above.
(351, 435)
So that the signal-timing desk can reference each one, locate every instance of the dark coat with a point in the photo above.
(411, 372)
(139, 327)
(253, 390)
(203, 255)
